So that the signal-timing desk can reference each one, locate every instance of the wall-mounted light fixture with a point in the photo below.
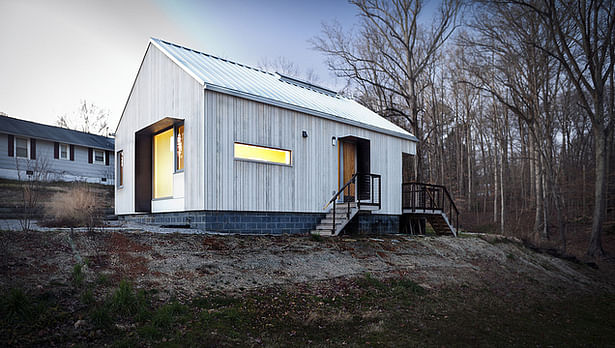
(333, 141)
(304, 134)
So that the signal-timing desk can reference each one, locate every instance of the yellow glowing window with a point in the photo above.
(179, 151)
(262, 154)
(163, 164)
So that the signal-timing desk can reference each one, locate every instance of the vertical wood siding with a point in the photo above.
(309, 182)
(162, 89)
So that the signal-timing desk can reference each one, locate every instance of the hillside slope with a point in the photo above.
(206, 290)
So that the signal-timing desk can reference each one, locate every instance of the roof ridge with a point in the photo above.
(282, 77)
(58, 127)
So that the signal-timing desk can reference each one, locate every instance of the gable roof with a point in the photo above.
(29, 129)
(228, 77)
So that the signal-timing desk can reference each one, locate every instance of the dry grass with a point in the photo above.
(79, 206)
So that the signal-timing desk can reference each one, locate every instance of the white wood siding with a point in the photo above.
(311, 180)
(162, 89)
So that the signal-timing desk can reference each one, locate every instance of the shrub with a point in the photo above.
(16, 304)
(78, 207)
(101, 317)
(78, 276)
(126, 301)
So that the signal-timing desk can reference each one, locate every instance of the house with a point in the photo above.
(214, 144)
(28, 148)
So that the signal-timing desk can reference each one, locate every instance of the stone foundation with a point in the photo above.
(234, 221)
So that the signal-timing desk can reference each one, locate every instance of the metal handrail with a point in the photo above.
(433, 191)
(353, 180)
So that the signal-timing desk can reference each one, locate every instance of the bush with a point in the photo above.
(77, 207)
(78, 276)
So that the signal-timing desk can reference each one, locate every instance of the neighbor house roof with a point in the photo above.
(29, 129)
(224, 76)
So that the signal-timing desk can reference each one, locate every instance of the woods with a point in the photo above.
(512, 102)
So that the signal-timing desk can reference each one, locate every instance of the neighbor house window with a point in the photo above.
(21, 147)
(64, 151)
(262, 154)
(99, 156)
(120, 168)
(163, 164)
(179, 148)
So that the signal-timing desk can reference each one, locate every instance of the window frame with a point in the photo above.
(67, 151)
(27, 147)
(290, 164)
(175, 128)
(120, 168)
(154, 162)
(94, 161)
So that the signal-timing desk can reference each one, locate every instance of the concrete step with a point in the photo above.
(337, 216)
(324, 226)
(322, 233)
(345, 205)
(338, 221)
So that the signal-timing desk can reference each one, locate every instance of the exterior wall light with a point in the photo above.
(304, 133)
(333, 141)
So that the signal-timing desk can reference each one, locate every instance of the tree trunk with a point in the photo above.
(595, 242)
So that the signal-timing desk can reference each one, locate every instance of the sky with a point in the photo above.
(55, 53)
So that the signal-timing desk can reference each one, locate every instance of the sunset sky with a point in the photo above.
(57, 52)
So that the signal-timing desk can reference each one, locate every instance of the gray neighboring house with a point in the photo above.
(69, 155)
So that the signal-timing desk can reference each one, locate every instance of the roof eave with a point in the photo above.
(17, 134)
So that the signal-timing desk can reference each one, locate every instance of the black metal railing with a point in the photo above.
(420, 197)
(362, 189)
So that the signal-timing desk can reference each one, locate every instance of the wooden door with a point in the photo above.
(349, 169)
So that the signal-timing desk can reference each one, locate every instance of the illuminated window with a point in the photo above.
(163, 164)
(179, 150)
(21, 147)
(262, 154)
(63, 151)
(120, 168)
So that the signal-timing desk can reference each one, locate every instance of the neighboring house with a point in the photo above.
(65, 154)
(218, 145)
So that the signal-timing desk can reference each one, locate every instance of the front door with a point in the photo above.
(349, 168)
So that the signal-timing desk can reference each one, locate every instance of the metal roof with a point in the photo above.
(224, 76)
(29, 129)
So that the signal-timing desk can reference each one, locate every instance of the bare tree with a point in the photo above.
(289, 68)
(32, 175)
(581, 33)
(388, 58)
(88, 118)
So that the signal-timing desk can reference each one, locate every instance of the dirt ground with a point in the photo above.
(127, 288)
(185, 265)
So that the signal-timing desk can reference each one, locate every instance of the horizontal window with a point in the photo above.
(262, 154)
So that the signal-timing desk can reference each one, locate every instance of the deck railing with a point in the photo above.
(429, 198)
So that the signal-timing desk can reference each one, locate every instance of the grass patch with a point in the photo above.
(126, 301)
(77, 276)
(365, 311)
(368, 281)
(100, 316)
(316, 237)
(103, 280)
(17, 305)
